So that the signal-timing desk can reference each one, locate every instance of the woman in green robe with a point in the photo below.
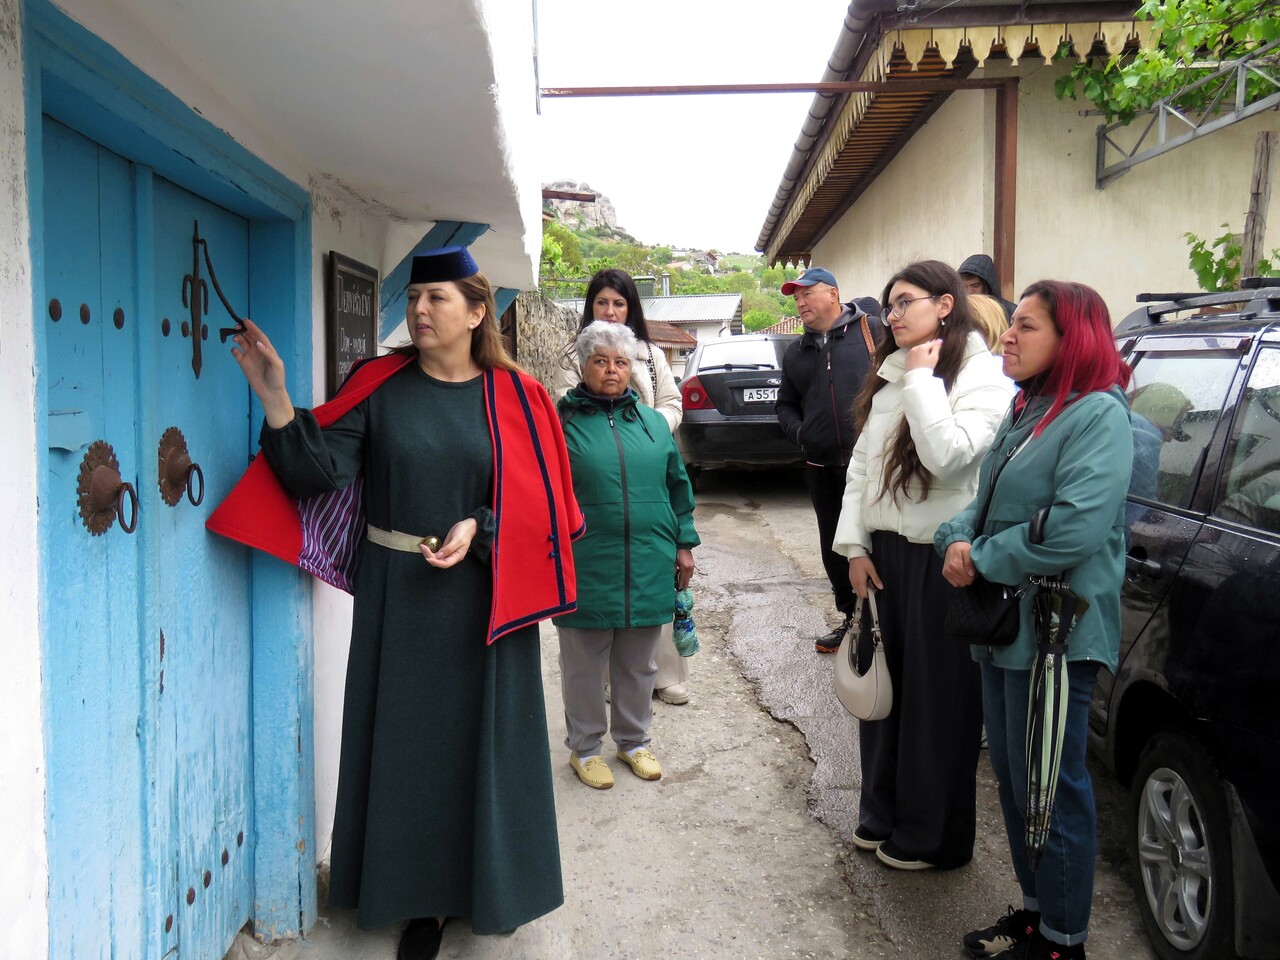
(445, 804)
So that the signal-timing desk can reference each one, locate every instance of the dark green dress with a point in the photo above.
(445, 805)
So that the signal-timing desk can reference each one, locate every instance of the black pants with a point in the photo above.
(826, 491)
(919, 764)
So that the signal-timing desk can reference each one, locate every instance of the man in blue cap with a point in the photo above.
(822, 372)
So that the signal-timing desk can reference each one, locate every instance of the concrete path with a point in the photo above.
(723, 857)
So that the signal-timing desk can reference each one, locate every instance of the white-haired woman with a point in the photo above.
(612, 295)
(631, 484)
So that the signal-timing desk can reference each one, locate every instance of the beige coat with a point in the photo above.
(667, 402)
(951, 433)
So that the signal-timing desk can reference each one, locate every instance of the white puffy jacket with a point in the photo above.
(951, 432)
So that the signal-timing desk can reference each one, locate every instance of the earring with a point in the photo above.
(943, 321)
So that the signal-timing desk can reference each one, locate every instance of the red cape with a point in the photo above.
(533, 503)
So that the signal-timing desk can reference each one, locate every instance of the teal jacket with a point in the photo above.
(1080, 465)
(632, 487)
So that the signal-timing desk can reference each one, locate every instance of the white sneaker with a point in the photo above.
(675, 694)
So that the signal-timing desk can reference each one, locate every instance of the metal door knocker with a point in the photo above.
(178, 473)
(195, 296)
(101, 492)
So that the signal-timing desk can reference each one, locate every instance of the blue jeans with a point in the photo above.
(1062, 888)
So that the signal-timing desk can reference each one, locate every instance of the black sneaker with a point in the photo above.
(831, 642)
(892, 855)
(864, 839)
(1015, 928)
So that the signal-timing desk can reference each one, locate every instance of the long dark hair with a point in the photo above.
(620, 280)
(1087, 359)
(902, 464)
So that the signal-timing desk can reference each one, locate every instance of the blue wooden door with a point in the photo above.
(147, 636)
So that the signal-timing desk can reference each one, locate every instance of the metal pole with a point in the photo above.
(905, 85)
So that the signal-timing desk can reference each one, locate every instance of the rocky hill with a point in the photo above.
(583, 216)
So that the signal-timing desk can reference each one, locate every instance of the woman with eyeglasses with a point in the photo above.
(924, 421)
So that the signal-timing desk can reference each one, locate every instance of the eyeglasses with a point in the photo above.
(899, 308)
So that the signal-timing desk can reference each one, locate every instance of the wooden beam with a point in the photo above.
(568, 195)
(1255, 221)
(833, 87)
(1006, 199)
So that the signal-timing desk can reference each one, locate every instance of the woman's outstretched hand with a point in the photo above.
(861, 572)
(264, 370)
(684, 568)
(456, 544)
(957, 566)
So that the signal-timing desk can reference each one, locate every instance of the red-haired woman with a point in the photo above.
(924, 417)
(1067, 444)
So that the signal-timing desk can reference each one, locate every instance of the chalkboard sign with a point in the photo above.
(352, 315)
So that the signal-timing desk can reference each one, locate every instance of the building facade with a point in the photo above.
(171, 702)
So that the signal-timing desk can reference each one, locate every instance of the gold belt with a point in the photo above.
(406, 542)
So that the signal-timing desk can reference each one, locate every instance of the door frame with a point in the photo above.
(78, 79)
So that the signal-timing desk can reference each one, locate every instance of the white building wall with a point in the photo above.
(23, 868)
(344, 222)
(1126, 239)
(935, 201)
(927, 205)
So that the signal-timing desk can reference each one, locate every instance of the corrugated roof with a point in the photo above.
(684, 308)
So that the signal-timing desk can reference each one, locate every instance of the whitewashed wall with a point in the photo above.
(343, 222)
(929, 204)
(23, 868)
(935, 201)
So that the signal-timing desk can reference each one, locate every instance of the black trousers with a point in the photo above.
(826, 491)
(919, 764)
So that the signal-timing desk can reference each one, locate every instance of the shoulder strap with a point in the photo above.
(866, 335)
(653, 372)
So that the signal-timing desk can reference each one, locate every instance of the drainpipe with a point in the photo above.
(666, 284)
(856, 20)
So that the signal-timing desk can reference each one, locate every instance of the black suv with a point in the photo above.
(1191, 720)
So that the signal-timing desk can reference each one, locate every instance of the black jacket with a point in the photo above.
(819, 382)
(984, 268)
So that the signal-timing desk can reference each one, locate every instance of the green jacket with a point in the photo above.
(1080, 465)
(632, 487)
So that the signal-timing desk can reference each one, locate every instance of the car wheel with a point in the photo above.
(1181, 844)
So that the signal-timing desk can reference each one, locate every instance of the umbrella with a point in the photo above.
(682, 630)
(1057, 610)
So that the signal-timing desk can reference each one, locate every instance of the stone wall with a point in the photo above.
(543, 332)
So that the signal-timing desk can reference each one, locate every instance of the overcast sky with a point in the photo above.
(696, 171)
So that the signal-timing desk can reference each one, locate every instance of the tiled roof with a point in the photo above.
(785, 325)
(669, 335)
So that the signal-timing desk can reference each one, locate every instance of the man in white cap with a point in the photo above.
(822, 372)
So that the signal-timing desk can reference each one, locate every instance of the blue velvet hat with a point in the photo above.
(446, 263)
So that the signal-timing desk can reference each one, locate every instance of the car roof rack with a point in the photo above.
(1253, 296)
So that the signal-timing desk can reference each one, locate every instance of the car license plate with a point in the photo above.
(760, 394)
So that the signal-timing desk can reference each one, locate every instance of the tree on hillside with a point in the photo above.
(1190, 38)
(754, 320)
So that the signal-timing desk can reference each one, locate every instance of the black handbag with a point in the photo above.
(985, 612)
